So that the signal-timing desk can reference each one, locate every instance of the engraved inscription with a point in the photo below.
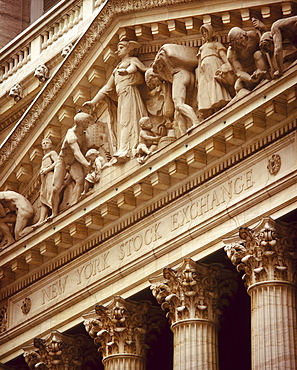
(134, 244)
(54, 290)
(92, 268)
(211, 200)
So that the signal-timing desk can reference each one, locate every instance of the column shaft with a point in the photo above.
(195, 345)
(124, 362)
(274, 342)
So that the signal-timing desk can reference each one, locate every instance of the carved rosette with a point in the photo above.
(123, 327)
(267, 253)
(194, 291)
(58, 351)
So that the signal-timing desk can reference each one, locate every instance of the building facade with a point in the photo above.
(148, 186)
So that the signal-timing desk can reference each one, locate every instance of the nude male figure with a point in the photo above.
(246, 58)
(71, 158)
(282, 29)
(176, 64)
(20, 211)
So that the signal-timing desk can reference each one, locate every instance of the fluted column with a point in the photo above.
(122, 330)
(193, 295)
(267, 256)
(60, 352)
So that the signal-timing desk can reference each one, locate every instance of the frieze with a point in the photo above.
(145, 238)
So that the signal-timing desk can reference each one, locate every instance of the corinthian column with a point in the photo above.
(267, 256)
(193, 295)
(60, 352)
(122, 331)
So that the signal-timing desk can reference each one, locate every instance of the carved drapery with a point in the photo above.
(267, 256)
(194, 295)
(122, 330)
(59, 352)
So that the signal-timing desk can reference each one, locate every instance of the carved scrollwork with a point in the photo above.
(264, 254)
(194, 290)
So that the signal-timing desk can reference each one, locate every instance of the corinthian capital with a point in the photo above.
(266, 253)
(194, 290)
(123, 327)
(58, 351)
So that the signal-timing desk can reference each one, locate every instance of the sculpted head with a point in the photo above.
(66, 50)
(207, 33)
(127, 48)
(92, 154)
(237, 38)
(152, 80)
(46, 143)
(266, 42)
(145, 123)
(16, 92)
(83, 120)
(41, 72)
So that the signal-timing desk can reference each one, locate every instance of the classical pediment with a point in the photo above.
(204, 175)
(220, 141)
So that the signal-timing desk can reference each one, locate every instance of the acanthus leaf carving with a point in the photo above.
(265, 253)
(123, 326)
(193, 291)
(59, 351)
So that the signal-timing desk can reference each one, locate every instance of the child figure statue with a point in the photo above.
(96, 162)
(148, 140)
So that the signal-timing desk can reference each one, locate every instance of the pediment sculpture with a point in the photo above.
(16, 214)
(150, 105)
(123, 87)
(185, 85)
(280, 55)
(71, 163)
